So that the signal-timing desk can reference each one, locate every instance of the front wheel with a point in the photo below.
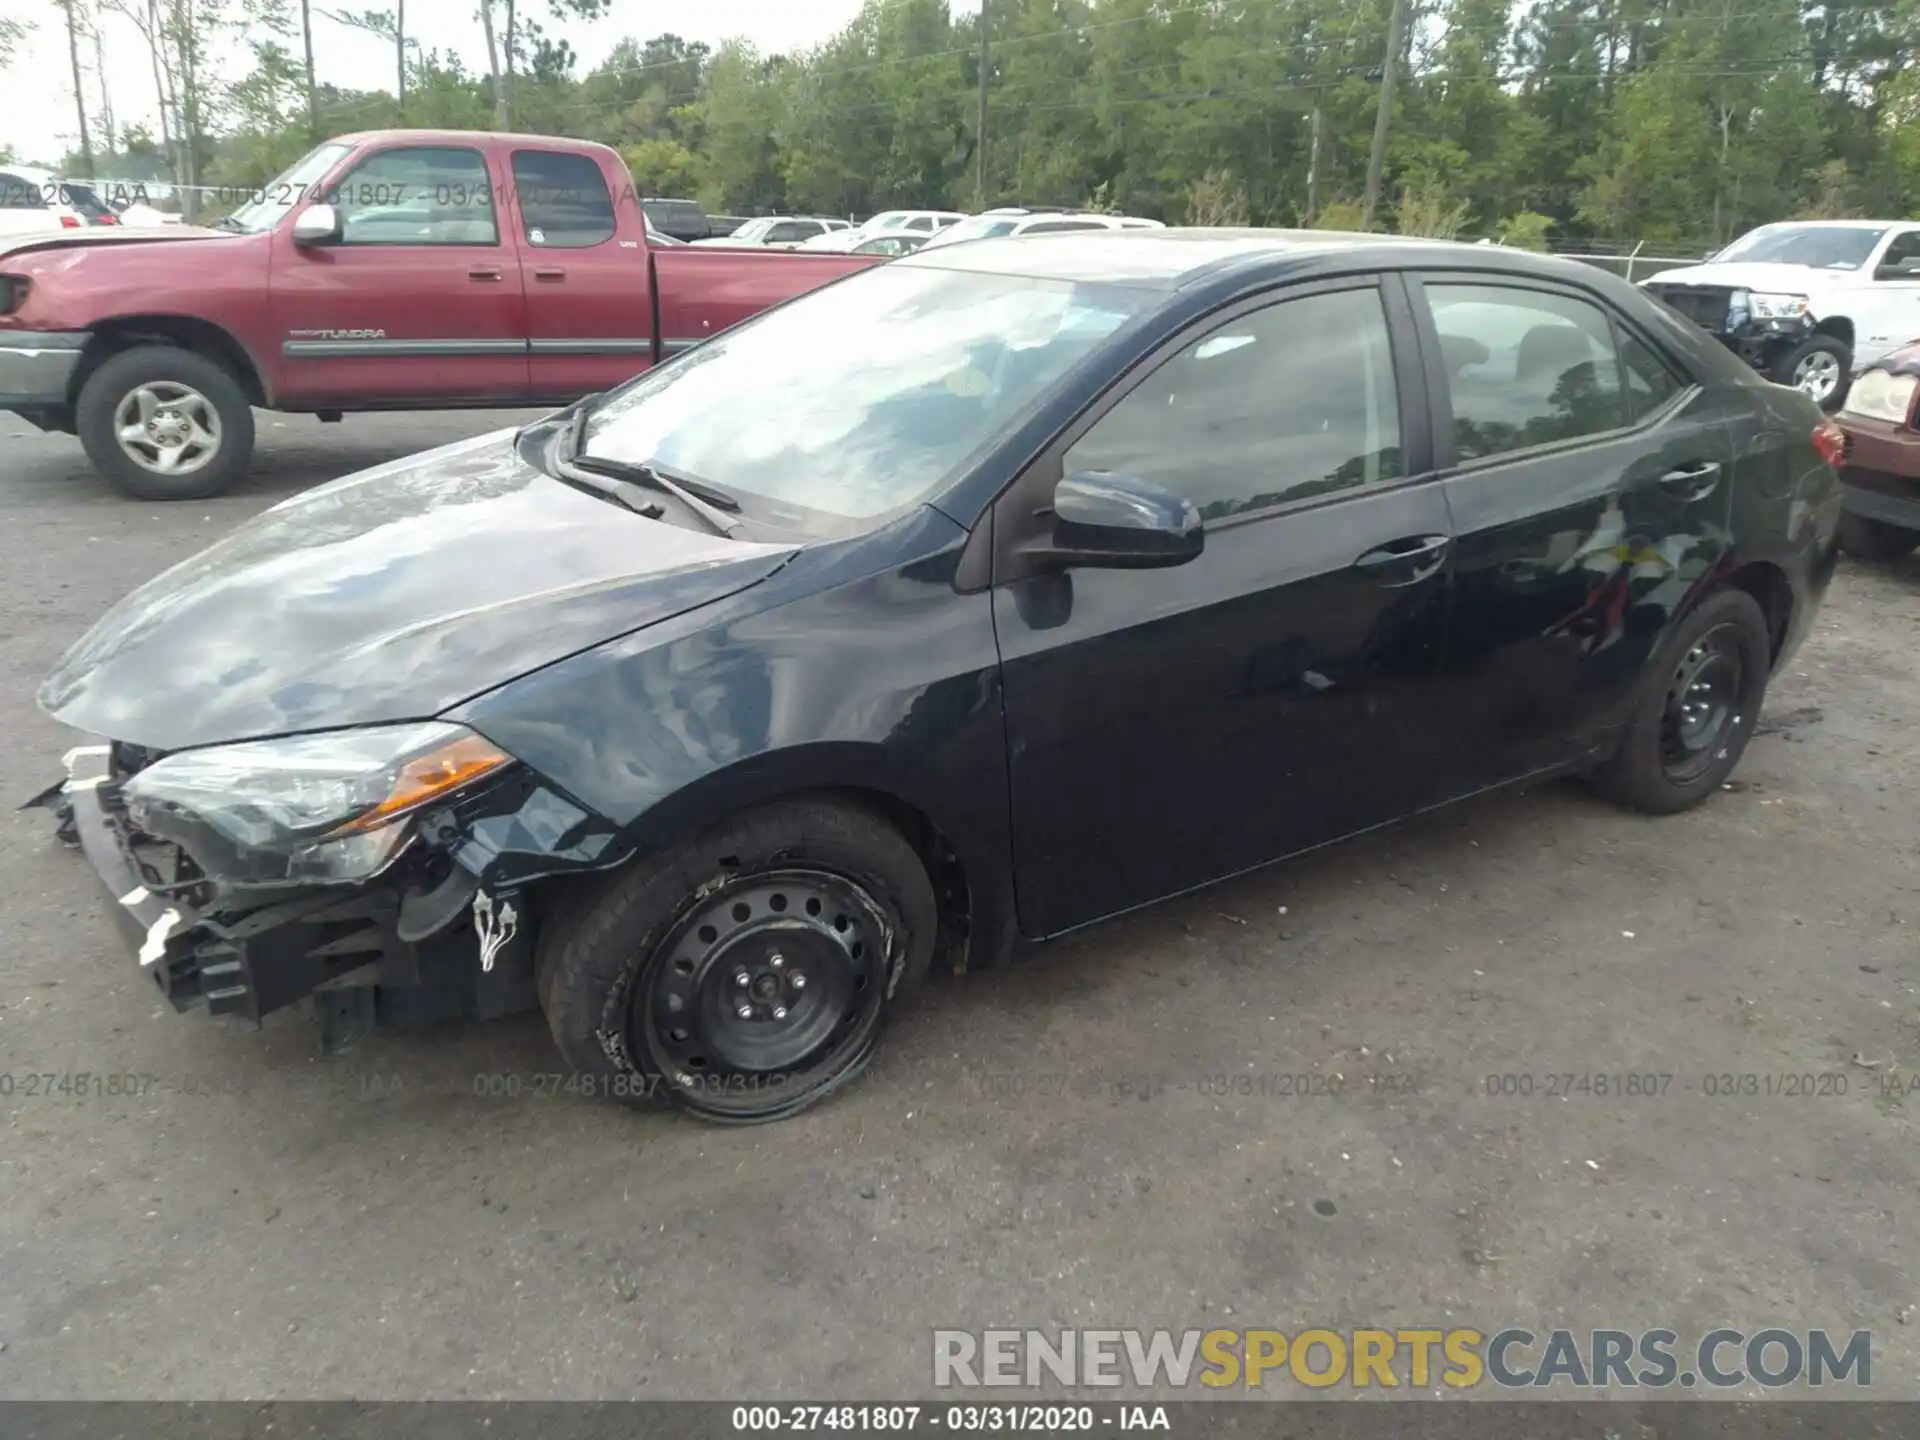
(1820, 367)
(164, 423)
(1695, 715)
(1875, 539)
(747, 974)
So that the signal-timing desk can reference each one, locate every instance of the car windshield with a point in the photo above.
(908, 371)
(286, 190)
(1829, 247)
(83, 199)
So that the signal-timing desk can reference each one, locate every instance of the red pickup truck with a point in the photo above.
(392, 270)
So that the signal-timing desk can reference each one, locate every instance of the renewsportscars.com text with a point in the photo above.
(1512, 1358)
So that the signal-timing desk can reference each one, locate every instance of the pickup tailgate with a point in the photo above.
(703, 291)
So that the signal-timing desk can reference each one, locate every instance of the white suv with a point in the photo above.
(1808, 303)
(992, 224)
(31, 203)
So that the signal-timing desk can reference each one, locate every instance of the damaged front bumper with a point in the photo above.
(447, 930)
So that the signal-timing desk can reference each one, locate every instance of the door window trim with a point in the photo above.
(364, 158)
(993, 556)
(1446, 451)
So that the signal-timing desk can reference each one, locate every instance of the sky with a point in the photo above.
(36, 94)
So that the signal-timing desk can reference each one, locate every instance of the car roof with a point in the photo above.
(1828, 224)
(1174, 258)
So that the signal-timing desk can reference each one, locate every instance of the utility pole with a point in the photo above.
(980, 126)
(1379, 155)
(1313, 171)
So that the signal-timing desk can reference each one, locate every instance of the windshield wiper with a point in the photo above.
(227, 222)
(709, 503)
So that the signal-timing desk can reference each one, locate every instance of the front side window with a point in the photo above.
(907, 373)
(789, 232)
(1525, 367)
(1903, 247)
(417, 195)
(564, 200)
(1294, 400)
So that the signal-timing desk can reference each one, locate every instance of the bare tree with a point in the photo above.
(106, 90)
(75, 23)
(389, 25)
(12, 34)
(306, 41)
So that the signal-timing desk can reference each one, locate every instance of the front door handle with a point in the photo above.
(549, 272)
(1692, 482)
(485, 272)
(1404, 561)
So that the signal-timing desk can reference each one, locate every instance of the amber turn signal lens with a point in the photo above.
(429, 776)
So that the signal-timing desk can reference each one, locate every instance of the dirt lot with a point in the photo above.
(1039, 1147)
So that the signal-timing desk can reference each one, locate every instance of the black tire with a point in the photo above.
(637, 971)
(1786, 367)
(1875, 539)
(1653, 769)
(167, 366)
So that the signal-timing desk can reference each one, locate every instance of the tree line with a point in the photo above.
(1673, 123)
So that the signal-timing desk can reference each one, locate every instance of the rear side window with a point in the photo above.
(1293, 400)
(1650, 384)
(417, 195)
(564, 200)
(1525, 367)
(788, 231)
(921, 222)
(1048, 226)
(19, 193)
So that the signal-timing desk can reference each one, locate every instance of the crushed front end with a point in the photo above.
(394, 876)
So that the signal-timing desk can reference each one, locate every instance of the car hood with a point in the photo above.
(1904, 360)
(1748, 275)
(388, 595)
(95, 235)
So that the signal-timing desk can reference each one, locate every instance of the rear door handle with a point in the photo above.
(549, 272)
(1403, 561)
(485, 272)
(1692, 482)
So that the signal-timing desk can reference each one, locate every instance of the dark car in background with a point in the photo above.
(1067, 574)
(681, 220)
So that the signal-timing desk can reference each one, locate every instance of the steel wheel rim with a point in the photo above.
(1817, 374)
(167, 428)
(1703, 708)
(812, 947)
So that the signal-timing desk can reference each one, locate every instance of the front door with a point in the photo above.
(419, 297)
(1890, 304)
(1167, 727)
(1590, 495)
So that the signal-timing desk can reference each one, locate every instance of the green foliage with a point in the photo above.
(1525, 231)
(1430, 209)
(1341, 215)
(1673, 123)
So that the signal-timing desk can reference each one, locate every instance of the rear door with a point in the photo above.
(1167, 727)
(1588, 483)
(583, 261)
(418, 298)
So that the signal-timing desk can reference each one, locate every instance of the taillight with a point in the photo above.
(1831, 441)
(69, 222)
(108, 220)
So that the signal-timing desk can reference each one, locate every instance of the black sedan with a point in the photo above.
(1067, 575)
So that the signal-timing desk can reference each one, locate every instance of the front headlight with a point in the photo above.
(1776, 307)
(1880, 396)
(307, 809)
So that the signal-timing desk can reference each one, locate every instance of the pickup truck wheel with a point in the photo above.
(1875, 539)
(1821, 366)
(747, 973)
(164, 423)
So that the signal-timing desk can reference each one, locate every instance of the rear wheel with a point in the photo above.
(1693, 719)
(164, 423)
(1875, 539)
(747, 974)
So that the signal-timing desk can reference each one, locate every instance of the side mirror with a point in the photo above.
(1109, 521)
(317, 225)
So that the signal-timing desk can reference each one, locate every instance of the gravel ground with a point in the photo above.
(1038, 1147)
